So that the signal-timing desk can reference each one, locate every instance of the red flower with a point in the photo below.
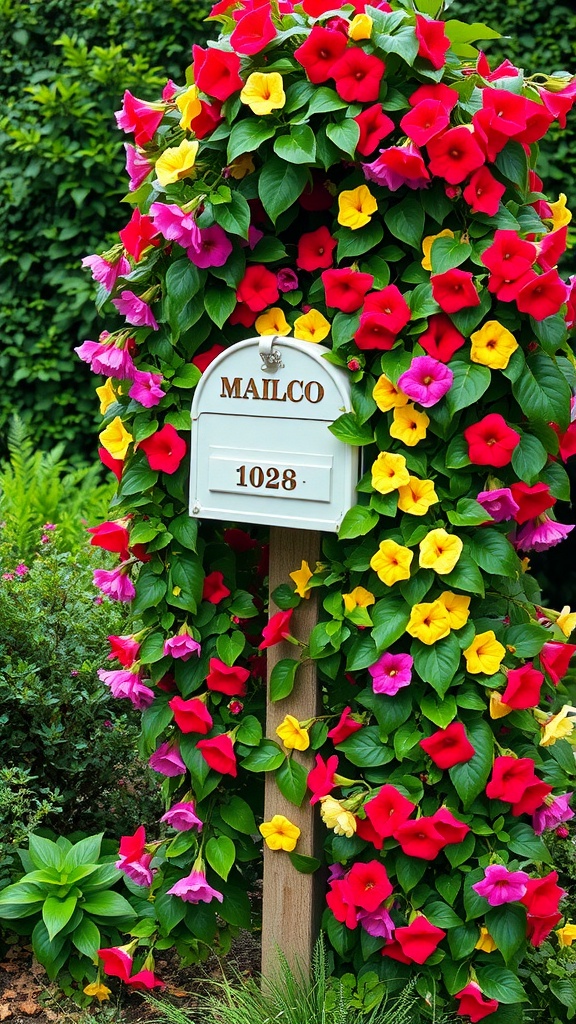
(420, 839)
(391, 304)
(434, 42)
(191, 715)
(344, 728)
(242, 315)
(539, 928)
(111, 536)
(368, 884)
(278, 629)
(441, 339)
(345, 289)
(117, 962)
(219, 754)
(214, 589)
(316, 196)
(116, 465)
(145, 980)
(206, 121)
(532, 798)
(449, 746)
(388, 810)
(239, 541)
(566, 441)
(473, 1004)
(203, 359)
(133, 847)
(216, 72)
(454, 154)
(253, 32)
(454, 290)
(523, 687)
(510, 776)
(483, 193)
(138, 117)
(358, 75)
(424, 121)
(258, 288)
(551, 248)
(393, 949)
(508, 259)
(543, 895)
(538, 121)
(555, 658)
(138, 234)
(320, 52)
(419, 939)
(321, 778)
(508, 109)
(542, 295)
(374, 126)
(373, 333)
(532, 500)
(315, 250)
(443, 93)
(450, 828)
(164, 449)
(339, 899)
(491, 441)
(228, 679)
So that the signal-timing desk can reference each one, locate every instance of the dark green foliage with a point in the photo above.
(65, 66)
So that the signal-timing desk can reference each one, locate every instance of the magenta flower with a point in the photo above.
(167, 760)
(286, 280)
(548, 816)
(391, 672)
(176, 225)
(138, 870)
(376, 922)
(146, 388)
(195, 889)
(135, 310)
(213, 248)
(181, 646)
(138, 166)
(502, 886)
(104, 272)
(426, 380)
(107, 358)
(21, 569)
(397, 166)
(498, 503)
(182, 817)
(124, 683)
(115, 584)
(541, 533)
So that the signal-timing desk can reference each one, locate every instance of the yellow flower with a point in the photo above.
(312, 326)
(498, 709)
(355, 207)
(107, 395)
(561, 215)
(98, 989)
(558, 727)
(358, 598)
(189, 106)
(115, 439)
(264, 93)
(567, 934)
(392, 562)
(360, 27)
(293, 736)
(336, 817)
(387, 395)
(485, 943)
(273, 321)
(177, 162)
(458, 608)
(485, 654)
(492, 345)
(409, 425)
(429, 622)
(241, 166)
(566, 620)
(427, 244)
(301, 577)
(416, 496)
(279, 833)
(389, 472)
(440, 551)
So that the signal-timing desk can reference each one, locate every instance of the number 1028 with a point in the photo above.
(271, 479)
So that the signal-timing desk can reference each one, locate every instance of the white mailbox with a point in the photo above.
(261, 450)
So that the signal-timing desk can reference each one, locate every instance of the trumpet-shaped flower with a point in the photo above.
(336, 817)
(409, 425)
(440, 551)
(492, 345)
(176, 162)
(391, 673)
(194, 888)
(279, 833)
(485, 654)
(389, 472)
(311, 326)
(292, 734)
(426, 381)
(429, 622)
(263, 92)
(458, 608)
(355, 207)
(417, 496)
(387, 395)
(392, 562)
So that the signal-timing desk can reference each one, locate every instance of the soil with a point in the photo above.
(28, 997)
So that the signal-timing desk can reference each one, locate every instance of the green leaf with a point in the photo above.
(468, 512)
(565, 991)
(362, 653)
(507, 926)
(291, 780)
(470, 382)
(220, 853)
(551, 332)
(170, 911)
(357, 522)
(248, 135)
(57, 912)
(265, 758)
(249, 731)
(355, 243)
(108, 904)
(51, 953)
(409, 871)
(465, 576)
(526, 844)
(282, 678)
(437, 663)
(406, 222)
(447, 253)
(185, 530)
(442, 915)
(306, 865)
(183, 281)
(469, 779)
(390, 617)
(365, 748)
(493, 552)
(501, 984)
(85, 852)
(239, 815)
(86, 938)
(219, 303)
(527, 639)
(230, 646)
(298, 147)
(268, 250)
(441, 712)
(542, 391)
(344, 134)
(528, 458)
(389, 712)
(279, 185)
(234, 216)
(512, 162)
(460, 853)
(150, 589)
(464, 32)
(324, 100)
(347, 428)
(44, 853)
(137, 478)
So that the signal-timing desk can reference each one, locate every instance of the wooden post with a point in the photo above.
(291, 900)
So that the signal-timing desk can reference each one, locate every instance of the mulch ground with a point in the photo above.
(28, 997)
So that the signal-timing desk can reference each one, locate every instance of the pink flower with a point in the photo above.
(107, 358)
(146, 388)
(106, 272)
(138, 167)
(212, 249)
(548, 816)
(391, 672)
(182, 817)
(287, 280)
(502, 886)
(127, 684)
(115, 584)
(176, 225)
(541, 533)
(22, 570)
(135, 310)
(138, 117)
(498, 503)
(397, 166)
(166, 760)
(377, 922)
(195, 889)
(426, 381)
(181, 646)
(139, 871)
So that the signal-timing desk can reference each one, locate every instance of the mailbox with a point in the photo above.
(261, 451)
